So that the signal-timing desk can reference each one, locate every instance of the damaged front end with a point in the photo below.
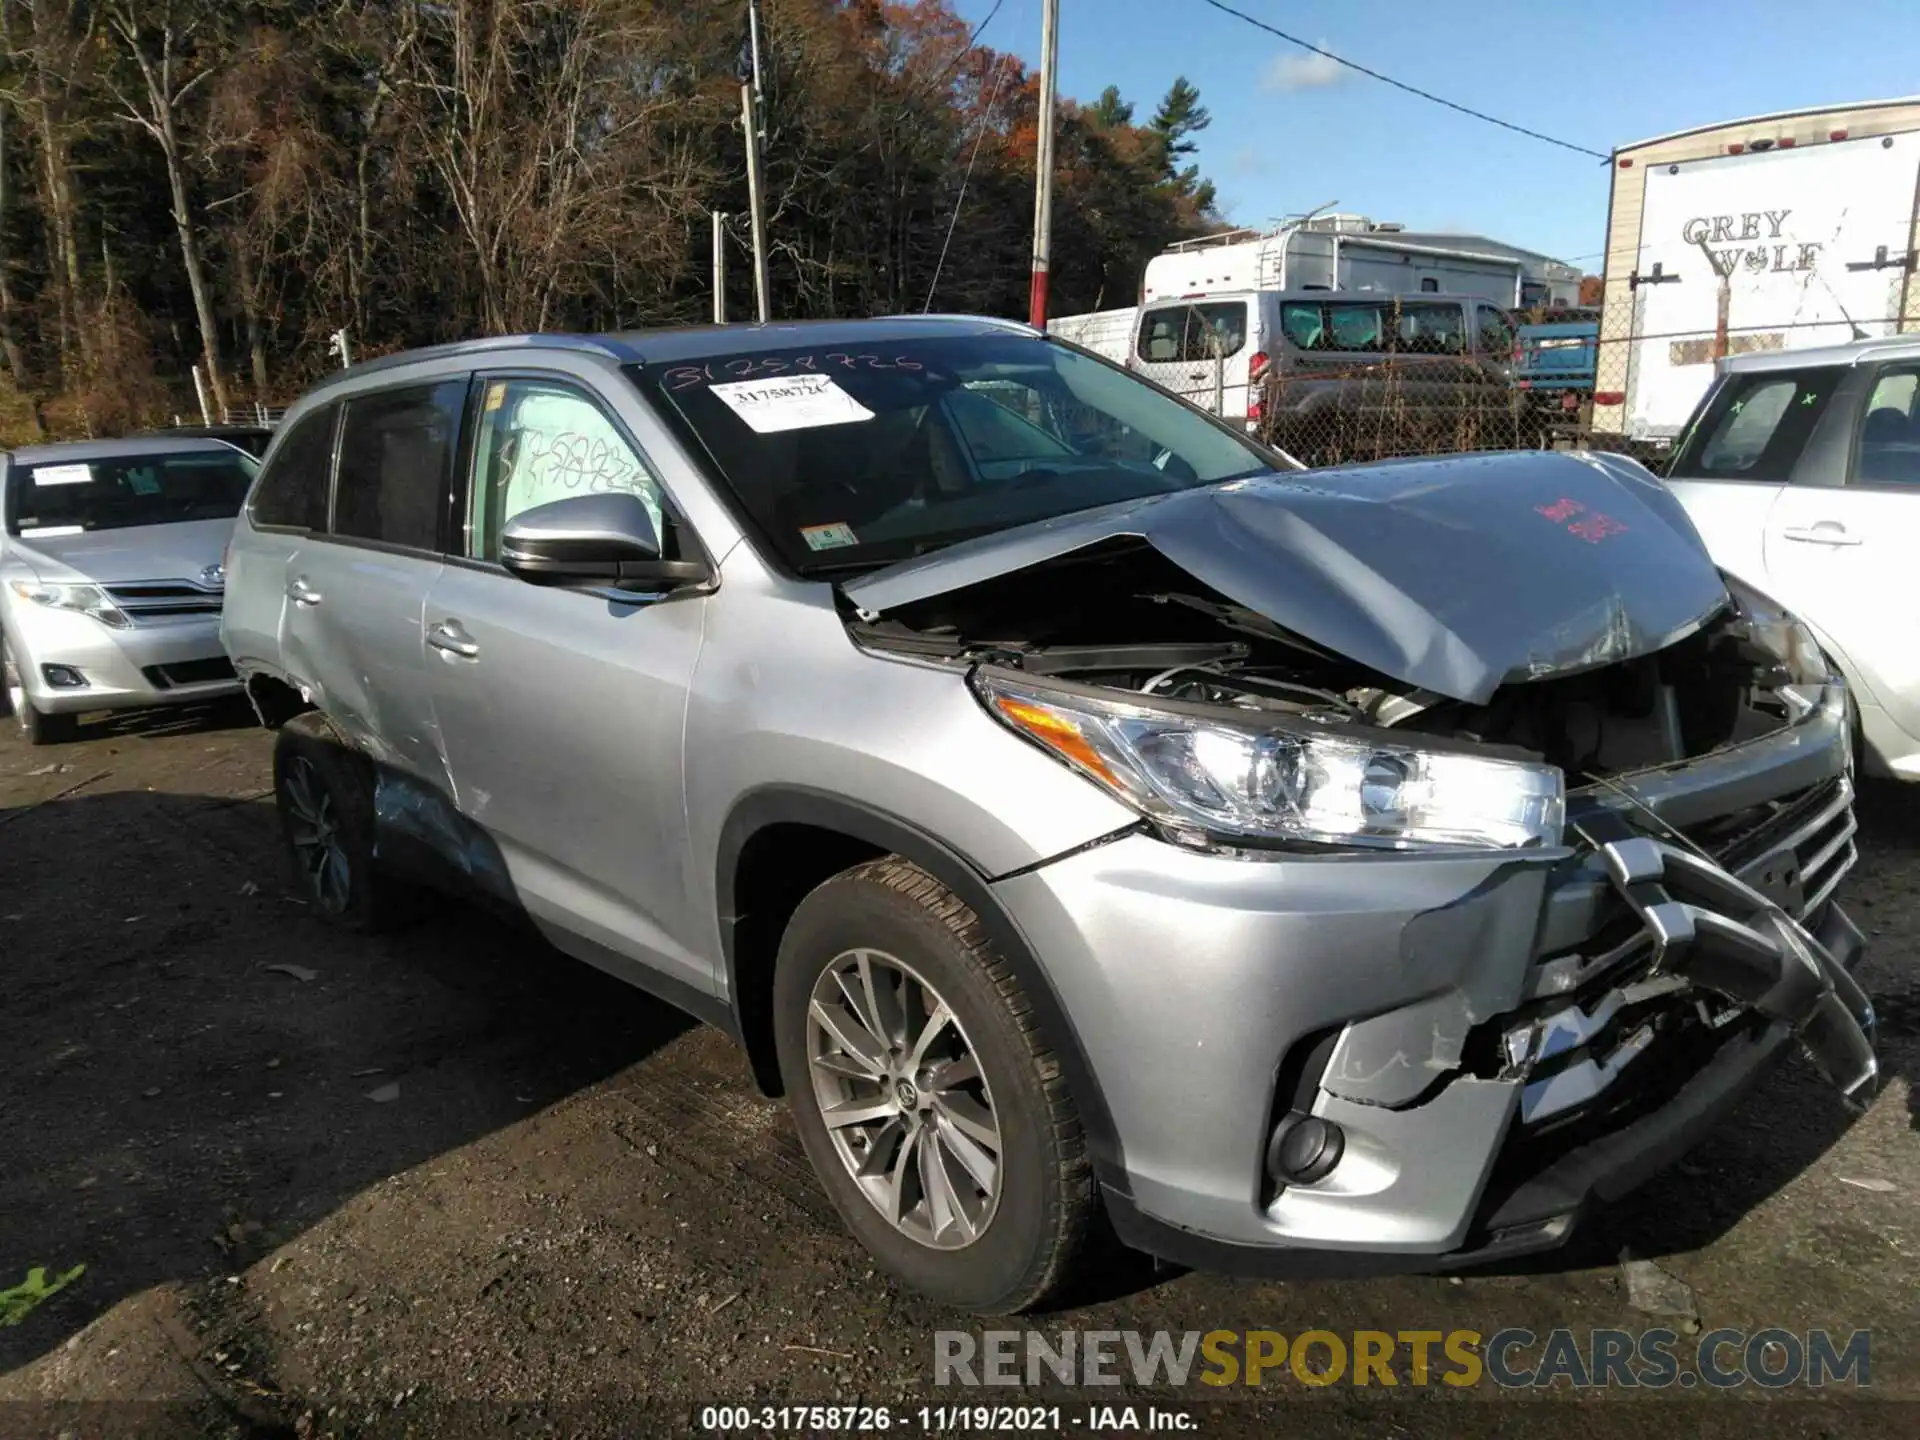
(1665, 758)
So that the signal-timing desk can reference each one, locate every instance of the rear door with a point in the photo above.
(1200, 350)
(352, 633)
(1844, 554)
(1738, 455)
(285, 512)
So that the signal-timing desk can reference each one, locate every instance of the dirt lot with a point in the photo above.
(451, 1183)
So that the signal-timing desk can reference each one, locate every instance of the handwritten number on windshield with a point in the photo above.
(687, 377)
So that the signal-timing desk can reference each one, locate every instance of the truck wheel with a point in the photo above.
(925, 1094)
(323, 789)
(37, 727)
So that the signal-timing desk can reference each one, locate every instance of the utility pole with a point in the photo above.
(753, 47)
(1043, 164)
(755, 201)
(719, 268)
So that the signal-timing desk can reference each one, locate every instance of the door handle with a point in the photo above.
(1826, 532)
(301, 593)
(447, 636)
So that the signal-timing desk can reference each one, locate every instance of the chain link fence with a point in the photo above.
(1350, 378)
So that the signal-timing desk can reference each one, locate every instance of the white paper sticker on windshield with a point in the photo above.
(791, 402)
(63, 475)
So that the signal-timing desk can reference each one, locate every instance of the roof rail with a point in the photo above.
(611, 346)
(1000, 321)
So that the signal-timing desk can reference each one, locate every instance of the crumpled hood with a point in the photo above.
(111, 557)
(1453, 575)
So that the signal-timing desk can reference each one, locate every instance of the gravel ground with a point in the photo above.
(450, 1183)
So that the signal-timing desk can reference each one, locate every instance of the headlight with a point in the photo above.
(1810, 675)
(86, 599)
(1280, 781)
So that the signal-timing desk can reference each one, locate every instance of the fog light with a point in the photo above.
(1304, 1148)
(63, 677)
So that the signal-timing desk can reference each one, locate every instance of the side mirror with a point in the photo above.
(603, 539)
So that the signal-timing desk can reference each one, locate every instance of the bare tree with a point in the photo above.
(54, 49)
(539, 120)
(157, 37)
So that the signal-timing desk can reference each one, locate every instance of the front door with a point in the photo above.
(1843, 556)
(1736, 458)
(562, 712)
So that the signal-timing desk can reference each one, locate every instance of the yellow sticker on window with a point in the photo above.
(496, 395)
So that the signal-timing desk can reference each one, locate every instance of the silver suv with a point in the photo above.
(1073, 813)
(111, 575)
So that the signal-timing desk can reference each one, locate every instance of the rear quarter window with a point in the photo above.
(292, 493)
(1755, 425)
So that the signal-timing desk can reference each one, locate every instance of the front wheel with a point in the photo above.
(925, 1094)
(37, 727)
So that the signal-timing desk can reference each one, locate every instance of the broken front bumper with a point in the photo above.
(1498, 1040)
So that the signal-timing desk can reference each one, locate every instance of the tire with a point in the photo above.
(323, 789)
(37, 727)
(1010, 1247)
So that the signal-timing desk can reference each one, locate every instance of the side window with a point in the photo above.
(1889, 442)
(1353, 327)
(1161, 333)
(293, 490)
(1215, 329)
(1496, 333)
(1432, 330)
(1755, 426)
(396, 453)
(1303, 326)
(544, 440)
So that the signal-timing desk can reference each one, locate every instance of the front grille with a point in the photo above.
(188, 672)
(1816, 828)
(1602, 1012)
(156, 602)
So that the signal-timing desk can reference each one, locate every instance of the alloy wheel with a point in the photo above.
(901, 1092)
(313, 828)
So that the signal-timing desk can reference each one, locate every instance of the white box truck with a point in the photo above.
(1780, 233)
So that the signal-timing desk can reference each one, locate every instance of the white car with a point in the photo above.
(112, 576)
(1801, 470)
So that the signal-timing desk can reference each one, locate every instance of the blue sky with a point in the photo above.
(1290, 132)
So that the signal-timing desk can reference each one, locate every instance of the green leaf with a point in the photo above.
(21, 1301)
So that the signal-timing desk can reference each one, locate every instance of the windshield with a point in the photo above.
(121, 492)
(845, 458)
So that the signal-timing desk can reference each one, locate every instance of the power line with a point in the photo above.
(966, 49)
(986, 120)
(1402, 85)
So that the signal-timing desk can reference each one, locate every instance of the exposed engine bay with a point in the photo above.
(1127, 619)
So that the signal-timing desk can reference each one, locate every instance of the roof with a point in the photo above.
(1313, 297)
(1774, 118)
(636, 347)
(1441, 240)
(1851, 352)
(78, 450)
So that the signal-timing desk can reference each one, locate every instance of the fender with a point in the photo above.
(800, 805)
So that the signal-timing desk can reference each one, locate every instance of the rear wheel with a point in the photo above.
(38, 727)
(324, 791)
(926, 1095)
